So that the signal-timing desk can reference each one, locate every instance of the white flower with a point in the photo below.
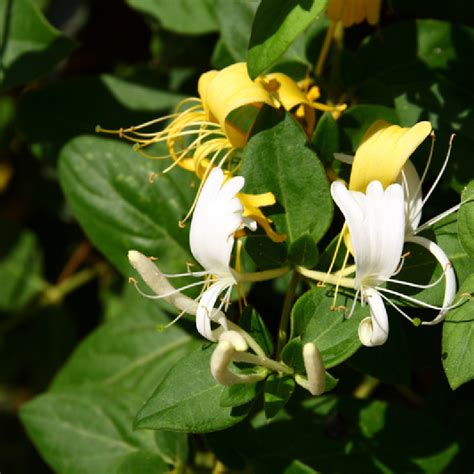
(376, 222)
(217, 216)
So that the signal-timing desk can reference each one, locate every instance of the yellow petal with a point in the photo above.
(350, 12)
(225, 91)
(252, 204)
(383, 152)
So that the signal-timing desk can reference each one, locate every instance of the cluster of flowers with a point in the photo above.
(381, 204)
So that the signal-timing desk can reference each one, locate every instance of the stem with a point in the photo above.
(325, 49)
(326, 277)
(54, 294)
(261, 276)
(286, 312)
(262, 362)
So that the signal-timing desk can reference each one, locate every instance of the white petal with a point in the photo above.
(206, 312)
(217, 216)
(376, 224)
(314, 366)
(373, 331)
(449, 275)
(410, 181)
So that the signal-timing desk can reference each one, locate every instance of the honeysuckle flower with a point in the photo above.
(384, 156)
(376, 222)
(218, 216)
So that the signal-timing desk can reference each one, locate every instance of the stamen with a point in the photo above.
(416, 285)
(437, 218)
(334, 257)
(402, 262)
(344, 263)
(164, 295)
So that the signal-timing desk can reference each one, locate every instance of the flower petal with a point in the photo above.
(449, 275)
(373, 331)
(410, 181)
(217, 216)
(383, 152)
(376, 223)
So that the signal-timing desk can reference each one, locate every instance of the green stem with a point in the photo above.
(326, 277)
(262, 362)
(286, 312)
(54, 294)
(261, 276)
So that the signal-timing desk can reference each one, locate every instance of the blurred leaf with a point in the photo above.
(276, 25)
(278, 390)
(21, 267)
(107, 187)
(29, 45)
(188, 399)
(87, 432)
(172, 446)
(466, 220)
(235, 24)
(327, 432)
(134, 356)
(297, 467)
(278, 160)
(67, 105)
(143, 462)
(189, 17)
(458, 339)
(253, 323)
(315, 321)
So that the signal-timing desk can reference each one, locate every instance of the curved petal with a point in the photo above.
(449, 275)
(383, 152)
(217, 216)
(411, 183)
(376, 222)
(224, 91)
(373, 331)
(206, 312)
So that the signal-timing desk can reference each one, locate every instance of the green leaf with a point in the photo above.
(458, 339)
(188, 399)
(30, 46)
(87, 431)
(278, 160)
(303, 252)
(143, 462)
(278, 390)
(240, 394)
(466, 220)
(134, 356)
(314, 321)
(106, 185)
(253, 323)
(21, 268)
(265, 253)
(172, 446)
(326, 137)
(276, 25)
(118, 102)
(189, 17)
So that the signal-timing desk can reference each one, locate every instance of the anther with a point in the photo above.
(98, 129)
(152, 177)
(181, 224)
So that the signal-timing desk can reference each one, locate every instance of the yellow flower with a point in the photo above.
(350, 12)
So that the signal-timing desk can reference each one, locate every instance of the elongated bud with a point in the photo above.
(314, 366)
(222, 357)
